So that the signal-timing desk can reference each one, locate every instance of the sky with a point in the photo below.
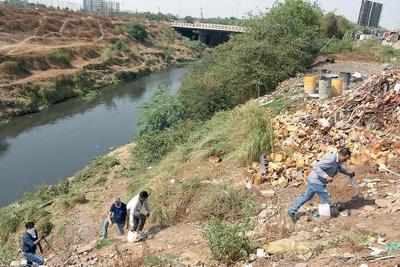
(239, 8)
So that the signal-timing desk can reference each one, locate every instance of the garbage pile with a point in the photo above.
(375, 104)
(367, 120)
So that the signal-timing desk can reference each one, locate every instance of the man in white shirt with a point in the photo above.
(139, 211)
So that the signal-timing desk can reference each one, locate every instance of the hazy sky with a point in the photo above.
(238, 8)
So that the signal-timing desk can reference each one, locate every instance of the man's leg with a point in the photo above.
(323, 194)
(33, 258)
(104, 229)
(301, 200)
(135, 223)
(142, 221)
(120, 227)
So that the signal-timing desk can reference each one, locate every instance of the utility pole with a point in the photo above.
(201, 13)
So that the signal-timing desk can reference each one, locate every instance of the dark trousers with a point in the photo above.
(138, 222)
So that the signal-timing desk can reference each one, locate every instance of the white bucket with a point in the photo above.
(131, 236)
(324, 210)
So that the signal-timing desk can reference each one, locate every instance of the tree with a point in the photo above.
(279, 44)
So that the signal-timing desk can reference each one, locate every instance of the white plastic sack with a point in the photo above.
(131, 237)
(397, 88)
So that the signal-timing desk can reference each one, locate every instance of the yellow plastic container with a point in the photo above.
(310, 83)
(337, 87)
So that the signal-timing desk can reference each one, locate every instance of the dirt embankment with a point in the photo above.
(366, 232)
(47, 56)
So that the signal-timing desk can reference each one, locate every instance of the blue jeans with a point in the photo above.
(33, 258)
(311, 190)
(104, 228)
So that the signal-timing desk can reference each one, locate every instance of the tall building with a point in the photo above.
(370, 13)
(101, 7)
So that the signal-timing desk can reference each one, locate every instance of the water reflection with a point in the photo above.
(43, 148)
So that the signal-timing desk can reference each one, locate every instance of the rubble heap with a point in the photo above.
(366, 119)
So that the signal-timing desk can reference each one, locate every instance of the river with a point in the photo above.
(45, 147)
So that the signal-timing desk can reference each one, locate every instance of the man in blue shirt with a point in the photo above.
(30, 241)
(117, 215)
(322, 174)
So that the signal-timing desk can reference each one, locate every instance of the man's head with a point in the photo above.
(29, 225)
(118, 201)
(143, 195)
(344, 155)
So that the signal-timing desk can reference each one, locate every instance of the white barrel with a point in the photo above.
(324, 88)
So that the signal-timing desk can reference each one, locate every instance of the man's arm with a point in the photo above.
(345, 171)
(110, 214)
(350, 175)
(146, 207)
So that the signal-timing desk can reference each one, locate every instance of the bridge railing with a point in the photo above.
(209, 26)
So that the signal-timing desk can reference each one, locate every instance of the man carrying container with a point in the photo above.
(139, 211)
(322, 174)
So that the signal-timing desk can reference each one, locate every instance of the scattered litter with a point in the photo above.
(393, 246)
(261, 253)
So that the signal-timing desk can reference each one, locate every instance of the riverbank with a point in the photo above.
(70, 54)
(78, 130)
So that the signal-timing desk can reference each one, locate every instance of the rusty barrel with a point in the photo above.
(337, 87)
(310, 83)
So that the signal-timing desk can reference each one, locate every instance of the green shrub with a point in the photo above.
(13, 68)
(243, 134)
(172, 201)
(151, 147)
(120, 46)
(99, 166)
(338, 46)
(225, 202)
(107, 54)
(335, 26)
(161, 112)
(228, 242)
(61, 57)
(79, 199)
(103, 243)
(9, 222)
(137, 31)
(6, 255)
(45, 226)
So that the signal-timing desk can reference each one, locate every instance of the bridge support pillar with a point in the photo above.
(203, 36)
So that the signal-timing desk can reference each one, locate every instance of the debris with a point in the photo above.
(393, 246)
(382, 167)
(214, 159)
(261, 253)
(290, 245)
(383, 203)
(267, 193)
(86, 248)
(363, 119)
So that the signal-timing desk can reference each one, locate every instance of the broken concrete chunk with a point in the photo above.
(383, 203)
(288, 245)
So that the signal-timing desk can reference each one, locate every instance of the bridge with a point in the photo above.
(210, 34)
